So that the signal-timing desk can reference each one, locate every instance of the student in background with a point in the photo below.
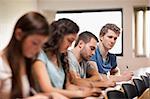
(84, 74)
(105, 61)
(51, 67)
(29, 35)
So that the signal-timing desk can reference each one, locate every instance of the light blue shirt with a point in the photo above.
(56, 75)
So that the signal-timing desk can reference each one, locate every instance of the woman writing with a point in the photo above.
(51, 67)
(29, 35)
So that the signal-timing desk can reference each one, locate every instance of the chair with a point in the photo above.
(129, 90)
(148, 74)
(140, 86)
(115, 94)
(146, 81)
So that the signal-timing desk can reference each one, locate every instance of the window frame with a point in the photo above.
(136, 10)
(101, 10)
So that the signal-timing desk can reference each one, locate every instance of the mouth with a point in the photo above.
(111, 45)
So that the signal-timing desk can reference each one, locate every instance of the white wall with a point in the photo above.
(127, 5)
(10, 11)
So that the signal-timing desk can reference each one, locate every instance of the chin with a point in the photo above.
(29, 56)
(64, 51)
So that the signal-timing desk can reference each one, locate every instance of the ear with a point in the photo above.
(81, 44)
(18, 34)
(100, 38)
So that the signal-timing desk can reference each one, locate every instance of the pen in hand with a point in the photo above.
(33, 91)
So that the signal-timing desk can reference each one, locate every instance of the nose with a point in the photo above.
(93, 52)
(38, 49)
(112, 40)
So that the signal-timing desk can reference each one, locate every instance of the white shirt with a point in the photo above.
(5, 78)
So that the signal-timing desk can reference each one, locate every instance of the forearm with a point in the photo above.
(116, 78)
(100, 84)
(111, 77)
(69, 93)
(94, 78)
(81, 82)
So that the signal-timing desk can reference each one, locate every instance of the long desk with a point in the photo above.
(145, 95)
(137, 73)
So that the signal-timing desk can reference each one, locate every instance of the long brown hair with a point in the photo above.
(30, 23)
(58, 29)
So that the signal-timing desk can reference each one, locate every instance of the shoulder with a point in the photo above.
(42, 54)
(42, 57)
(5, 70)
(111, 55)
(70, 53)
(71, 56)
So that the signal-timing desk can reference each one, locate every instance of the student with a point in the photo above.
(83, 74)
(29, 35)
(49, 68)
(104, 60)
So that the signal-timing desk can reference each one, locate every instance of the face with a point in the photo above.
(109, 39)
(67, 41)
(33, 44)
(88, 49)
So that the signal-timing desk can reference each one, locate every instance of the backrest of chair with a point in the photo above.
(140, 86)
(146, 81)
(129, 90)
(148, 74)
(115, 94)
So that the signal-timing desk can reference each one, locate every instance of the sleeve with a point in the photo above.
(113, 61)
(42, 57)
(5, 71)
(89, 67)
(72, 66)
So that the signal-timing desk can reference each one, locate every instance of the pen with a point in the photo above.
(33, 91)
(108, 74)
(127, 67)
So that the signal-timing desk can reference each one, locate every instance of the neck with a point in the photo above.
(76, 52)
(103, 50)
(52, 57)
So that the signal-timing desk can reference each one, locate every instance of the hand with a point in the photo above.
(37, 96)
(92, 92)
(109, 83)
(55, 95)
(126, 76)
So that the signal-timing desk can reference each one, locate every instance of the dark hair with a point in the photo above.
(30, 23)
(58, 30)
(86, 37)
(110, 26)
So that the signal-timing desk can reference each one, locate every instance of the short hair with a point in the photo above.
(108, 26)
(86, 37)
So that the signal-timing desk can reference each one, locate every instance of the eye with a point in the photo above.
(92, 48)
(34, 43)
(70, 41)
(110, 37)
(115, 38)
